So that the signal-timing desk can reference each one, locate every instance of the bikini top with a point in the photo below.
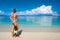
(15, 16)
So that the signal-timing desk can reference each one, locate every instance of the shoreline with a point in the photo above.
(32, 30)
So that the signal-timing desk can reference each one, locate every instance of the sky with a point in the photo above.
(30, 7)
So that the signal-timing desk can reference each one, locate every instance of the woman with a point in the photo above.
(15, 31)
(13, 17)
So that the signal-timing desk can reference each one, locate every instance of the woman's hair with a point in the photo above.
(14, 10)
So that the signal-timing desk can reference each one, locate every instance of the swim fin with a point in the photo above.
(18, 33)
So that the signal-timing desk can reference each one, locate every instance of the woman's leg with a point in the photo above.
(12, 30)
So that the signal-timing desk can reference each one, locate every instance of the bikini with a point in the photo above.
(15, 29)
(16, 32)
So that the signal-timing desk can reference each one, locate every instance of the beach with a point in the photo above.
(34, 28)
(30, 19)
(31, 36)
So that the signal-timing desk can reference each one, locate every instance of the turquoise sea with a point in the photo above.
(31, 22)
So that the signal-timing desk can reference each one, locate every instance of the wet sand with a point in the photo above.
(31, 36)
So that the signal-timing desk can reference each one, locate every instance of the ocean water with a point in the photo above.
(31, 22)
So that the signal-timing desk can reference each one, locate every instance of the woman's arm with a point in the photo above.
(11, 17)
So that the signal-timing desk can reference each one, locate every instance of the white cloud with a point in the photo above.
(42, 9)
(39, 10)
(1, 12)
(55, 13)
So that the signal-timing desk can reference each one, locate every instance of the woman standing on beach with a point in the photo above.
(13, 17)
(15, 31)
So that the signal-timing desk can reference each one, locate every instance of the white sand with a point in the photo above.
(31, 36)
